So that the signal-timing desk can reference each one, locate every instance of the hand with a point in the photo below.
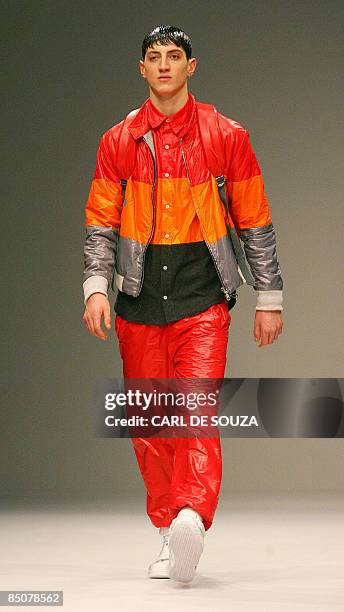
(97, 306)
(268, 326)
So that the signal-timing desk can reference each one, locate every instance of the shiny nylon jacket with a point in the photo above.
(120, 226)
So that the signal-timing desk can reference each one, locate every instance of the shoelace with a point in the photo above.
(161, 555)
(165, 540)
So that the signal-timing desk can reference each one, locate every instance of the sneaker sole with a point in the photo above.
(186, 547)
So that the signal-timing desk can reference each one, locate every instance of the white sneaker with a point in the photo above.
(160, 567)
(186, 544)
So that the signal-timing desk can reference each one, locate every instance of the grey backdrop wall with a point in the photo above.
(71, 73)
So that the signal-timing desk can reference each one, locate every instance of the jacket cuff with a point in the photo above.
(270, 300)
(95, 284)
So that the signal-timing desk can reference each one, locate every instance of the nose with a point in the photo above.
(164, 64)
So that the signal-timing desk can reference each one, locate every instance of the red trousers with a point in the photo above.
(178, 472)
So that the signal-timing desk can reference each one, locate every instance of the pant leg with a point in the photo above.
(198, 347)
(178, 472)
(144, 352)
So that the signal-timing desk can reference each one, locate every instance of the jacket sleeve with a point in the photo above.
(250, 213)
(103, 214)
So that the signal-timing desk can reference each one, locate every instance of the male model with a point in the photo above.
(156, 223)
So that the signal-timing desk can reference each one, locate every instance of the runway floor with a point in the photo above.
(263, 553)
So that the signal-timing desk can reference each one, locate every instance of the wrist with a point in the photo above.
(95, 284)
(270, 300)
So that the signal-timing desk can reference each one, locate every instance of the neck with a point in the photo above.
(169, 106)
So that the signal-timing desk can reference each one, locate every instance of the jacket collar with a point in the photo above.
(149, 117)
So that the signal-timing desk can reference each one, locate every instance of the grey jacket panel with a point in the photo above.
(261, 254)
(100, 251)
(129, 265)
(226, 263)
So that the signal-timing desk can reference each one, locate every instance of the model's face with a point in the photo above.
(166, 69)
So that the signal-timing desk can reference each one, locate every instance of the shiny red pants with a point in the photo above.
(178, 472)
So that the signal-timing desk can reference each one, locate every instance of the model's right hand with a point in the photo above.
(97, 306)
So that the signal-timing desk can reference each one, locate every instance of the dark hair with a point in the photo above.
(166, 35)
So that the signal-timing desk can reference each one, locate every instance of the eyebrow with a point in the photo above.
(158, 52)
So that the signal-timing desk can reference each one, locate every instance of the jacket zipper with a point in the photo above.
(153, 222)
(225, 291)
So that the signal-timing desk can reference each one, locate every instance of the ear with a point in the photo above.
(142, 69)
(192, 63)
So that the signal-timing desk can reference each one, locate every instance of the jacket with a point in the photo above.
(119, 226)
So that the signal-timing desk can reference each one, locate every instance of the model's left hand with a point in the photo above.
(268, 326)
